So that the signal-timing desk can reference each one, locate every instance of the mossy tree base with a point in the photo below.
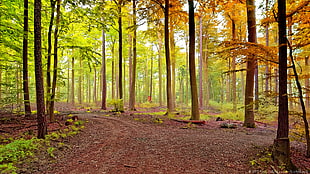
(281, 154)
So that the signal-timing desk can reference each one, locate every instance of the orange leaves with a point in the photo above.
(260, 51)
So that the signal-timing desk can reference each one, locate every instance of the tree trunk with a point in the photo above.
(49, 55)
(113, 71)
(228, 81)
(95, 86)
(267, 72)
(205, 73)
(41, 117)
(120, 53)
(187, 68)
(307, 84)
(68, 82)
(302, 103)
(173, 64)
(54, 83)
(72, 81)
(233, 67)
(159, 68)
(200, 64)
(168, 65)
(251, 63)
(195, 107)
(132, 96)
(80, 81)
(281, 146)
(256, 89)
(25, 62)
(151, 82)
(103, 75)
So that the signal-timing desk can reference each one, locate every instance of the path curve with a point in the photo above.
(116, 145)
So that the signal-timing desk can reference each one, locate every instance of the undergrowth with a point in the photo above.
(15, 151)
(20, 149)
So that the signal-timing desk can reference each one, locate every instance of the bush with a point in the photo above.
(14, 151)
(117, 104)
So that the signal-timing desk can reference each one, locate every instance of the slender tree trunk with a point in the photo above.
(228, 81)
(54, 83)
(205, 73)
(256, 89)
(88, 88)
(187, 68)
(302, 103)
(307, 84)
(195, 107)
(159, 68)
(95, 86)
(168, 65)
(200, 64)
(132, 97)
(49, 55)
(151, 82)
(72, 81)
(251, 63)
(173, 64)
(113, 69)
(103, 75)
(25, 62)
(120, 58)
(267, 73)
(242, 84)
(80, 82)
(281, 146)
(68, 82)
(233, 67)
(41, 117)
(276, 88)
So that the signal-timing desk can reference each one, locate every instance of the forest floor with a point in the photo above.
(134, 142)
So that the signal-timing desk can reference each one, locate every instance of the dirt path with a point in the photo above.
(117, 145)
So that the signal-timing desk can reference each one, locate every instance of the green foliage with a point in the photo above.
(117, 104)
(263, 160)
(15, 151)
(267, 110)
(158, 120)
(232, 116)
(148, 105)
(50, 151)
(150, 113)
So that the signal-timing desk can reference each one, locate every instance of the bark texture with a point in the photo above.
(41, 117)
(251, 63)
(25, 61)
(192, 70)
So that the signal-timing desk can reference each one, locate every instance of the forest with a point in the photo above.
(68, 65)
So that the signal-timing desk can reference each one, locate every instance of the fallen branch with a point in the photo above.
(190, 121)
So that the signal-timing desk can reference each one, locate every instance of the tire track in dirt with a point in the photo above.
(118, 145)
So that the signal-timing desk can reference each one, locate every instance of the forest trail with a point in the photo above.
(122, 145)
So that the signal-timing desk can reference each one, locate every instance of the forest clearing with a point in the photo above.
(146, 141)
(154, 86)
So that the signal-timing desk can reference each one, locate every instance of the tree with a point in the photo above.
(168, 64)
(251, 63)
(54, 82)
(192, 68)
(25, 62)
(132, 88)
(103, 74)
(41, 117)
(120, 4)
(49, 55)
(281, 146)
